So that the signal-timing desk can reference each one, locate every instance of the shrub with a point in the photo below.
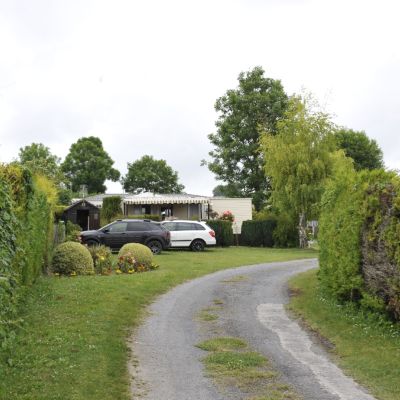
(359, 239)
(71, 258)
(111, 208)
(258, 233)
(223, 231)
(127, 263)
(26, 236)
(72, 232)
(286, 232)
(58, 212)
(102, 259)
(141, 253)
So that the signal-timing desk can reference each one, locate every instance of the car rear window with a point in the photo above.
(188, 226)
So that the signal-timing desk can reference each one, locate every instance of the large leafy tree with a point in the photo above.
(364, 151)
(299, 160)
(150, 175)
(87, 163)
(257, 103)
(38, 158)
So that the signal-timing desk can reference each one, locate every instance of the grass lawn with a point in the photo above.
(367, 347)
(73, 342)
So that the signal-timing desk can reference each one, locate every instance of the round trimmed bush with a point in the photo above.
(141, 253)
(72, 257)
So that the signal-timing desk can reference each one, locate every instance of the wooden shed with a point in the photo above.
(84, 214)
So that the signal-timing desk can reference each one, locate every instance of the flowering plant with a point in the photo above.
(127, 263)
(102, 259)
(227, 216)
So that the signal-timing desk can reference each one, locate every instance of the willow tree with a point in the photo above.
(299, 161)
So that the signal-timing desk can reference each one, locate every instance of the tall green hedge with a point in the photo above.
(25, 236)
(111, 208)
(258, 233)
(223, 231)
(359, 237)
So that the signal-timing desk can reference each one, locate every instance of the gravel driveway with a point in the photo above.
(169, 365)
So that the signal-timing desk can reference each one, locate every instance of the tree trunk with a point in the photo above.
(303, 241)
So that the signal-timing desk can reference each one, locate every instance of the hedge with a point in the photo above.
(26, 213)
(359, 230)
(258, 233)
(152, 217)
(223, 231)
(111, 208)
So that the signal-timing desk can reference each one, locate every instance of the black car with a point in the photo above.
(123, 231)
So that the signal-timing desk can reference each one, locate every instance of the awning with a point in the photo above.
(166, 200)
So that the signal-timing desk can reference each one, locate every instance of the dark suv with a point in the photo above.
(123, 231)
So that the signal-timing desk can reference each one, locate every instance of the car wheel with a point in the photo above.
(155, 246)
(197, 245)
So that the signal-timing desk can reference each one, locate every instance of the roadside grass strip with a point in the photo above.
(365, 345)
(231, 363)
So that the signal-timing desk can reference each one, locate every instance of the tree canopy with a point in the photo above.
(364, 151)
(87, 163)
(299, 159)
(257, 103)
(38, 158)
(150, 175)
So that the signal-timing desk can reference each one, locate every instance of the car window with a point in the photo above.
(200, 227)
(186, 226)
(138, 226)
(152, 226)
(117, 227)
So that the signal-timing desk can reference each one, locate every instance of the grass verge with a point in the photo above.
(367, 346)
(73, 342)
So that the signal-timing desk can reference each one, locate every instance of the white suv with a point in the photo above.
(193, 234)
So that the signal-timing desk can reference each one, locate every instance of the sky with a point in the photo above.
(143, 76)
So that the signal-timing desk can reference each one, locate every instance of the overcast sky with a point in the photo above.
(144, 75)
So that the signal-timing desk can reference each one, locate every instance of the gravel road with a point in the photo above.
(169, 366)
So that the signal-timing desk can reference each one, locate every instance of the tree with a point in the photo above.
(229, 190)
(87, 163)
(299, 160)
(364, 151)
(257, 103)
(38, 158)
(150, 175)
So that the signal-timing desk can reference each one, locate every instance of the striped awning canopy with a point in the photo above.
(166, 200)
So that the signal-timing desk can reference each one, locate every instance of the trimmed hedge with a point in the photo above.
(258, 233)
(359, 230)
(140, 252)
(223, 231)
(72, 258)
(111, 208)
(26, 235)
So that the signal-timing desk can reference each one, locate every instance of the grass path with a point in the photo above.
(73, 342)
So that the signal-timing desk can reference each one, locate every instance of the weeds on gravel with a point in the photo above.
(232, 364)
